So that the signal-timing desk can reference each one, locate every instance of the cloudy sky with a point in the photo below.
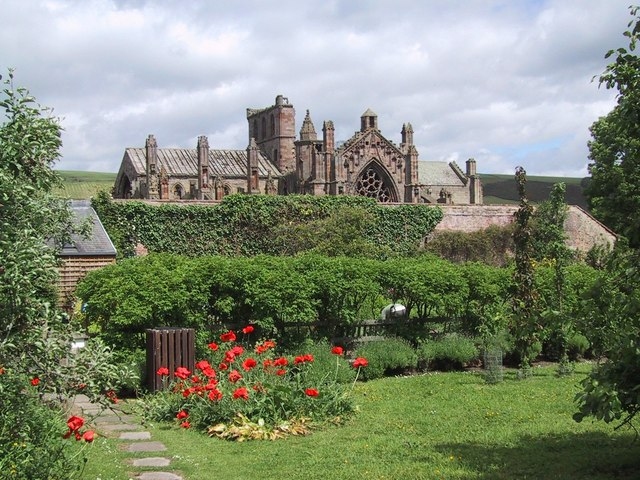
(508, 82)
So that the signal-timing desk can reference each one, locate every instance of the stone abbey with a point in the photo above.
(279, 162)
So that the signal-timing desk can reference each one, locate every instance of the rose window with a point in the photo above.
(371, 185)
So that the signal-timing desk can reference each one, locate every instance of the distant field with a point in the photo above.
(84, 185)
(498, 189)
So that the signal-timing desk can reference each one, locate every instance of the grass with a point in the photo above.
(83, 185)
(433, 426)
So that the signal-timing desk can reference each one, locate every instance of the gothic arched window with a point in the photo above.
(373, 183)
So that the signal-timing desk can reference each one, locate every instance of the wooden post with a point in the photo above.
(170, 348)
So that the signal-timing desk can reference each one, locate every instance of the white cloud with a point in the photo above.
(501, 81)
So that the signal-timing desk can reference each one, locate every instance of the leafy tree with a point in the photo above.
(614, 190)
(526, 327)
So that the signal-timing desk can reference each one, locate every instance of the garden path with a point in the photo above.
(148, 455)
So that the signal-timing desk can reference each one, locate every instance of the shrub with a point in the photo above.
(451, 352)
(388, 356)
(240, 392)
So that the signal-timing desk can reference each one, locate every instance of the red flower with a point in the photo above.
(213, 346)
(185, 425)
(182, 373)
(229, 356)
(269, 343)
(182, 415)
(230, 336)
(88, 436)
(311, 392)
(202, 364)
(261, 349)
(241, 392)
(234, 376)
(215, 395)
(249, 363)
(2, 370)
(307, 357)
(281, 372)
(237, 350)
(337, 350)
(211, 384)
(267, 363)
(223, 366)
(248, 329)
(35, 381)
(281, 362)
(112, 396)
(163, 371)
(209, 372)
(75, 423)
(360, 362)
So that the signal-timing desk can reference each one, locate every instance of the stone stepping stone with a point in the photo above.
(119, 426)
(158, 476)
(151, 462)
(147, 447)
(135, 436)
(113, 419)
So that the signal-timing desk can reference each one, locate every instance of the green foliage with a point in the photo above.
(261, 224)
(614, 190)
(525, 326)
(493, 245)
(451, 352)
(387, 356)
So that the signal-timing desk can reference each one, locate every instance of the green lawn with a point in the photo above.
(433, 426)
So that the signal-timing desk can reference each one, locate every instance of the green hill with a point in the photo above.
(84, 185)
(502, 189)
(498, 189)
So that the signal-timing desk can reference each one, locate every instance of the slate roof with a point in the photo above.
(183, 162)
(437, 173)
(99, 243)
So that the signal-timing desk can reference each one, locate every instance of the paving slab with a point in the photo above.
(151, 462)
(158, 476)
(119, 427)
(146, 447)
(135, 436)
(113, 419)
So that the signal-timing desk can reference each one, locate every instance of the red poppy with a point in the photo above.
(88, 436)
(267, 363)
(215, 395)
(260, 349)
(241, 392)
(202, 364)
(2, 370)
(163, 371)
(281, 362)
(281, 372)
(337, 350)
(237, 350)
(185, 425)
(311, 392)
(234, 376)
(230, 336)
(213, 346)
(182, 415)
(209, 372)
(35, 381)
(229, 356)
(182, 373)
(112, 396)
(248, 329)
(211, 384)
(360, 362)
(75, 423)
(223, 366)
(249, 363)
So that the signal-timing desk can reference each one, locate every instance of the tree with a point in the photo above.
(614, 190)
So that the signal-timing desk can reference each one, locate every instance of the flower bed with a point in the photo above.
(244, 390)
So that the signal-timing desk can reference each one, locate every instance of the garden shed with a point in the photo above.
(81, 255)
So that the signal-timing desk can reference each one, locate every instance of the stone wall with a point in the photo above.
(583, 231)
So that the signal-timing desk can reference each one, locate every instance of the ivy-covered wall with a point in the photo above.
(257, 224)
